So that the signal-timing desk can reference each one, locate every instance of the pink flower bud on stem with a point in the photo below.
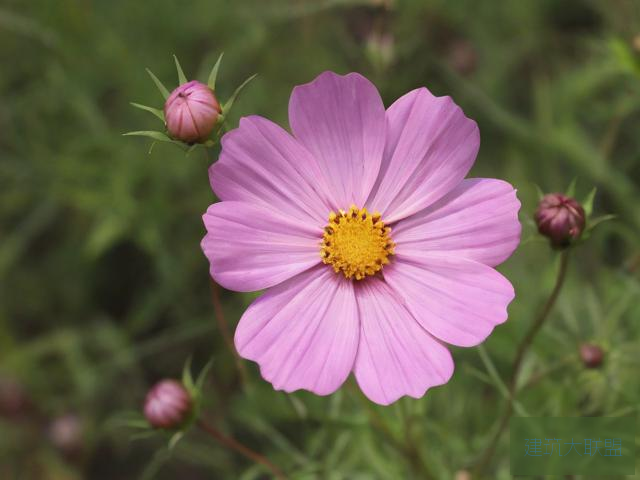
(462, 56)
(168, 405)
(14, 402)
(591, 355)
(191, 112)
(67, 434)
(560, 218)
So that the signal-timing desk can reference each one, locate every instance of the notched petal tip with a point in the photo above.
(340, 120)
(329, 74)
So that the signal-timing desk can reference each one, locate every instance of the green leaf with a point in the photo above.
(161, 87)
(159, 136)
(142, 435)
(571, 189)
(592, 224)
(181, 77)
(175, 438)
(539, 191)
(214, 73)
(203, 374)
(133, 420)
(187, 379)
(597, 221)
(156, 111)
(624, 55)
(191, 149)
(587, 203)
(532, 239)
(498, 382)
(229, 104)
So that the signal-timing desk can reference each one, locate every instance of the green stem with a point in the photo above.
(517, 363)
(223, 325)
(233, 444)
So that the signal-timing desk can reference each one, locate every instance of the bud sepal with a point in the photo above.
(206, 115)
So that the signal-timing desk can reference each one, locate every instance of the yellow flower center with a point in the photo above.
(356, 243)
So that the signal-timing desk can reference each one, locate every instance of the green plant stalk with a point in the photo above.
(223, 325)
(233, 444)
(517, 363)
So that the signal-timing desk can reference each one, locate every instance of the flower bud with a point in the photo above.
(191, 112)
(462, 475)
(380, 48)
(14, 401)
(635, 43)
(67, 434)
(591, 355)
(560, 218)
(167, 405)
(462, 57)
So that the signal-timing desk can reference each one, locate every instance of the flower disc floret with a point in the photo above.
(356, 243)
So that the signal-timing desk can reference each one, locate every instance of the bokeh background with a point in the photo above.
(104, 289)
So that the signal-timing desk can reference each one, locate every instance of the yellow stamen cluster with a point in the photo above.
(356, 243)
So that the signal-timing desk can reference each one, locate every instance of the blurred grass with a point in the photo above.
(103, 288)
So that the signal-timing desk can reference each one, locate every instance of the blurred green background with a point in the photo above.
(104, 289)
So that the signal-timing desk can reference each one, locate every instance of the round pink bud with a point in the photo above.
(67, 433)
(167, 405)
(591, 355)
(462, 56)
(14, 401)
(191, 112)
(560, 218)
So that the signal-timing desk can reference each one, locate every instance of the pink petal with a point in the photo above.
(477, 220)
(341, 120)
(303, 333)
(396, 355)
(431, 146)
(457, 300)
(250, 247)
(261, 163)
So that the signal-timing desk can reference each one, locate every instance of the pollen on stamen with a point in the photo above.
(356, 243)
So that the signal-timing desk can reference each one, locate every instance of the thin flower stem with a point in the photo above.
(545, 373)
(226, 333)
(517, 363)
(412, 452)
(223, 325)
(408, 447)
(240, 448)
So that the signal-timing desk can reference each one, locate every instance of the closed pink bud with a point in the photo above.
(560, 218)
(167, 405)
(191, 112)
(591, 355)
(14, 401)
(462, 56)
(67, 434)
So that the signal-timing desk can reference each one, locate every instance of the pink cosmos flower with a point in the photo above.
(373, 248)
